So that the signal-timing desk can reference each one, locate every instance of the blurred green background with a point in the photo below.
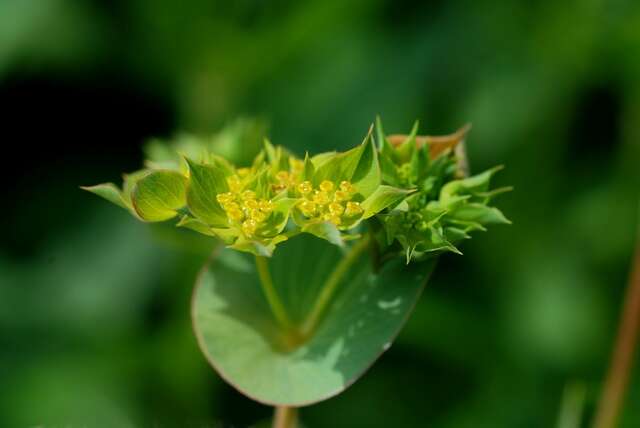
(94, 307)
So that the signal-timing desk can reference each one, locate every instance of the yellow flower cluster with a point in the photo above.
(243, 208)
(328, 203)
(288, 179)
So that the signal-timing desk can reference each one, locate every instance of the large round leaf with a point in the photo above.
(243, 341)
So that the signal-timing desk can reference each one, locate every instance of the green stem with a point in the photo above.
(329, 288)
(270, 293)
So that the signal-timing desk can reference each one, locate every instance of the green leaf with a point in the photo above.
(196, 225)
(254, 247)
(158, 195)
(110, 192)
(279, 217)
(366, 178)
(408, 147)
(479, 213)
(383, 197)
(322, 158)
(206, 181)
(309, 169)
(130, 181)
(243, 341)
(387, 151)
(343, 166)
(477, 184)
(325, 230)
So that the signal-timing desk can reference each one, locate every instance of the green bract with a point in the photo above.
(444, 209)
(414, 195)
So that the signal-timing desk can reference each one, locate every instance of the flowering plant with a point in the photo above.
(303, 319)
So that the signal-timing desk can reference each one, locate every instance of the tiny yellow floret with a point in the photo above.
(345, 186)
(248, 194)
(326, 186)
(353, 209)
(235, 184)
(235, 214)
(341, 196)
(249, 227)
(243, 172)
(321, 198)
(305, 187)
(265, 206)
(332, 219)
(224, 198)
(308, 208)
(336, 208)
(251, 204)
(258, 215)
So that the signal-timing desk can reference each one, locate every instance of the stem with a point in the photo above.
(285, 417)
(270, 293)
(620, 368)
(329, 287)
(572, 405)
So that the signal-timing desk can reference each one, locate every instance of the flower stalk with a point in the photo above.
(615, 387)
(330, 286)
(276, 305)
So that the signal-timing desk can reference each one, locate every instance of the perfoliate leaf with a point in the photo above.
(243, 341)
(383, 197)
(158, 195)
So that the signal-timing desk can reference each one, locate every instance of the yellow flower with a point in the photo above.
(235, 184)
(251, 204)
(248, 194)
(341, 196)
(353, 209)
(249, 227)
(321, 198)
(336, 208)
(305, 187)
(326, 186)
(224, 198)
(265, 206)
(308, 208)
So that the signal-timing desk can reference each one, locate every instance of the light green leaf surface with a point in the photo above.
(243, 341)
(205, 183)
(110, 192)
(383, 197)
(158, 195)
